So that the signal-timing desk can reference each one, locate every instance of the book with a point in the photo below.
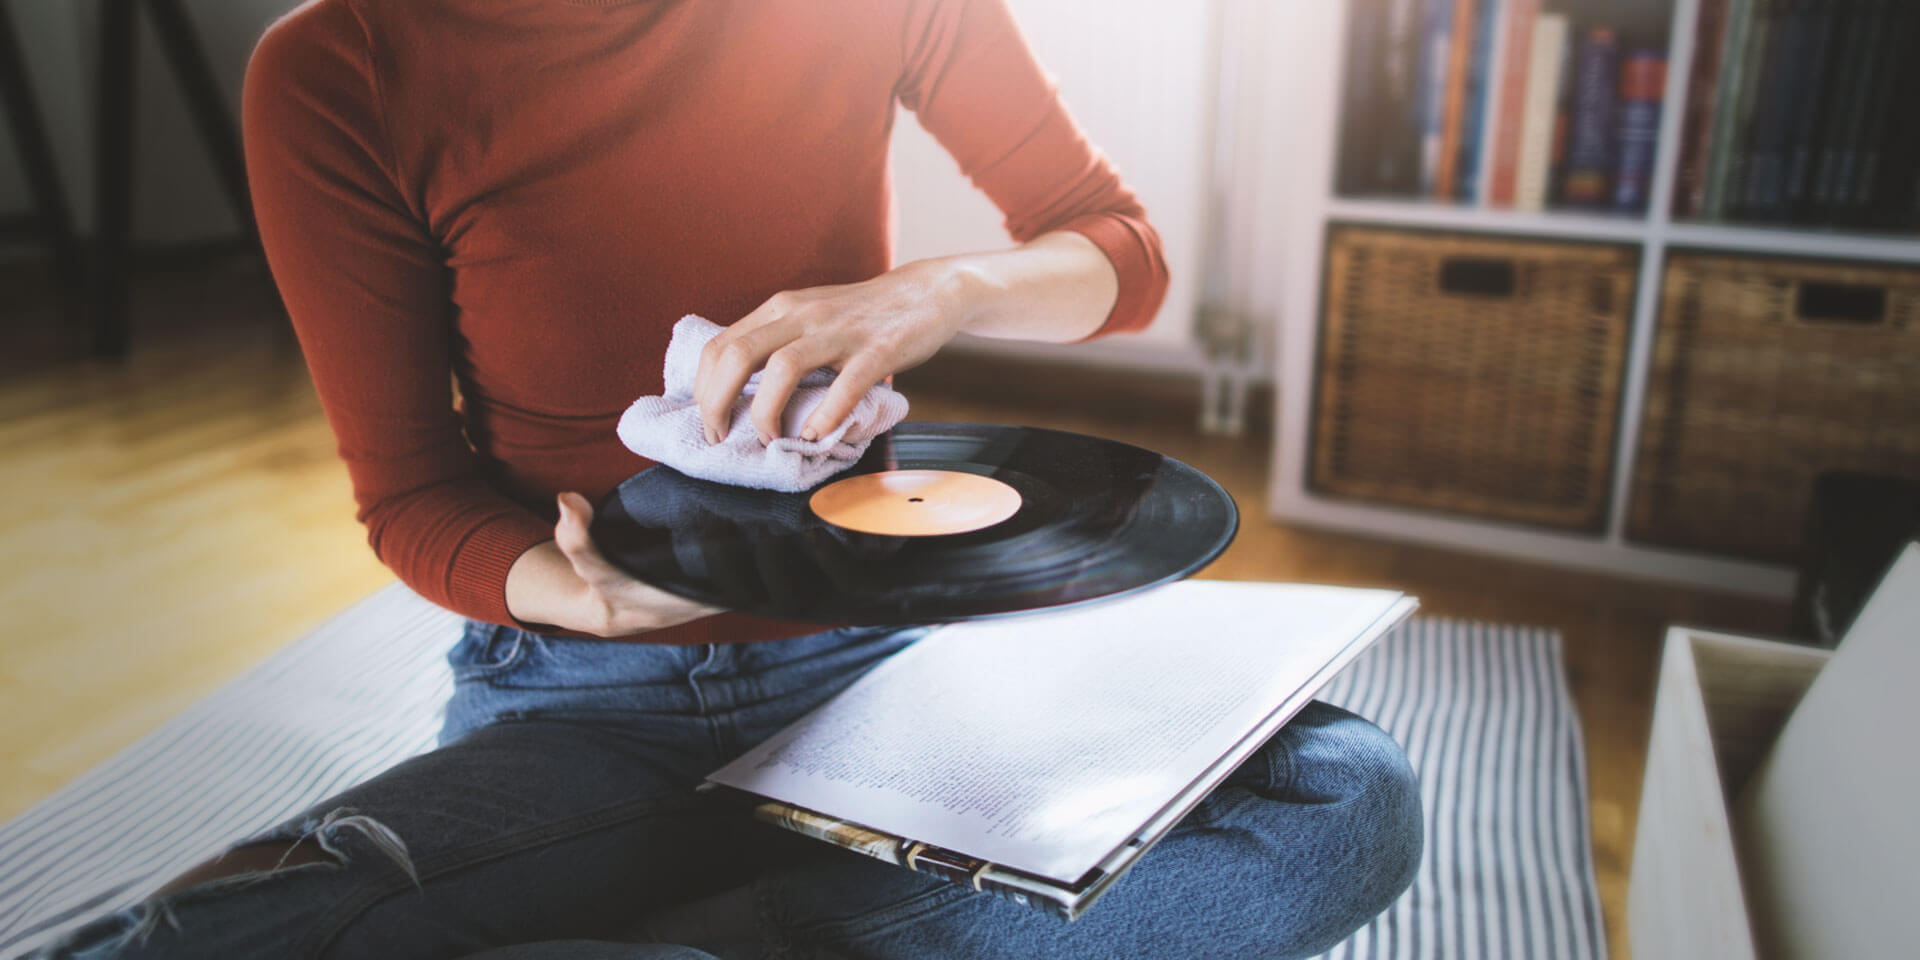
(1436, 54)
(1703, 96)
(1811, 103)
(1562, 122)
(1856, 108)
(1473, 126)
(1897, 195)
(1726, 117)
(1782, 82)
(1849, 78)
(1546, 51)
(1761, 39)
(1359, 169)
(1399, 106)
(1643, 84)
(1590, 130)
(1883, 114)
(1509, 98)
(1460, 43)
(1038, 757)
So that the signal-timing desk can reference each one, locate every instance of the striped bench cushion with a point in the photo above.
(1483, 711)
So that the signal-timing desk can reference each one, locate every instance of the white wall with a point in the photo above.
(1139, 75)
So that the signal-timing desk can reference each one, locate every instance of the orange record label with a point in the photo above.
(915, 503)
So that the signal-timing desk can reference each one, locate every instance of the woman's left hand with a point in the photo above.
(866, 331)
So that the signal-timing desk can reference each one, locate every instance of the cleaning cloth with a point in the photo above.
(668, 429)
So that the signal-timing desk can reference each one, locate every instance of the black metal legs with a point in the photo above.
(113, 166)
(51, 220)
(112, 179)
(181, 46)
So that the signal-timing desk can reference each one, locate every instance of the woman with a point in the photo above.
(525, 194)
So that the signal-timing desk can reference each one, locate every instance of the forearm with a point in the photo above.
(1058, 287)
(541, 586)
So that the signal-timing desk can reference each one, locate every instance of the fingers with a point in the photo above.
(571, 535)
(732, 357)
(855, 379)
(785, 369)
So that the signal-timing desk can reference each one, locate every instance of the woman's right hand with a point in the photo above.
(566, 583)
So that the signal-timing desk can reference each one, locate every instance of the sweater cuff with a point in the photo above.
(1142, 279)
(477, 584)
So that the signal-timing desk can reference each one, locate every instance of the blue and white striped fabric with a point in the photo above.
(1487, 721)
(1483, 711)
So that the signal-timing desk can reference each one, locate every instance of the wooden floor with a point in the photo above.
(172, 519)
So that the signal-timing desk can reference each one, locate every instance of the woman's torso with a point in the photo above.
(594, 172)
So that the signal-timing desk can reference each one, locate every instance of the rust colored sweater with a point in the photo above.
(526, 194)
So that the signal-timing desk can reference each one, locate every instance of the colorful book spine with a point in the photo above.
(1726, 114)
(1760, 37)
(1696, 130)
(1590, 132)
(1473, 129)
(1643, 84)
(1510, 98)
(1546, 51)
(1453, 119)
(1436, 55)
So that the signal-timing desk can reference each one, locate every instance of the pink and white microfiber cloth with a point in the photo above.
(668, 429)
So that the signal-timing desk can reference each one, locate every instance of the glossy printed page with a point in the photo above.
(1044, 742)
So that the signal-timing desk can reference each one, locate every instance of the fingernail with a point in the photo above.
(764, 439)
(712, 437)
(809, 434)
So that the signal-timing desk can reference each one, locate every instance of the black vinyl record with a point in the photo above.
(1095, 519)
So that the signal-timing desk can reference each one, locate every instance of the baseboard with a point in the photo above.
(1055, 381)
(1118, 352)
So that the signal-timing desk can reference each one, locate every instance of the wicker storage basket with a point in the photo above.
(1472, 374)
(1765, 374)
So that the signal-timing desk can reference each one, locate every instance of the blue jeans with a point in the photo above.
(558, 820)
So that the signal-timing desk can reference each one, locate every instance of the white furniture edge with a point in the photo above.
(1685, 898)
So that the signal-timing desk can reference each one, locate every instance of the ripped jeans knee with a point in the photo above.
(342, 836)
(326, 831)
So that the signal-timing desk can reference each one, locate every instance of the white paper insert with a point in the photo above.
(1044, 742)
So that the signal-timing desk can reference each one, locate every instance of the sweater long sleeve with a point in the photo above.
(485, 215)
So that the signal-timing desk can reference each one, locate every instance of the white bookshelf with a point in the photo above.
(1310, 39)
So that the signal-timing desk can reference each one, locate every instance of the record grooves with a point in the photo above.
(1094, 519)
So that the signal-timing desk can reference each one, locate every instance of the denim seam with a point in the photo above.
(705, 706)
(1280, 766)
(497, 664)
(331, 924)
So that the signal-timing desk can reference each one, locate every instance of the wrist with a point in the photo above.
(965, 287)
